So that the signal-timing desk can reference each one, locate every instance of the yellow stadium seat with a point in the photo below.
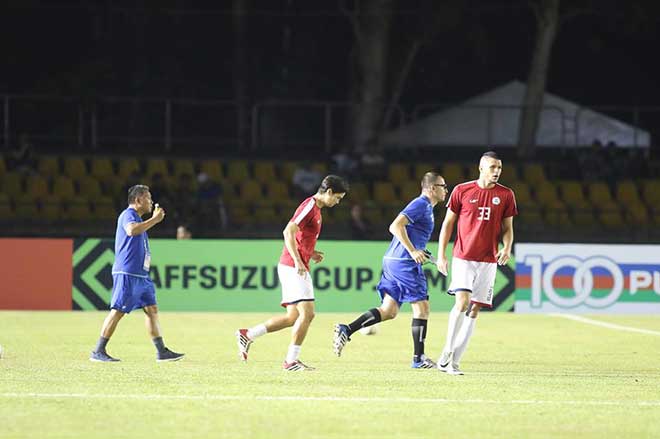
(534, 174)
(184, 166)
(277, 191)
(573, 195)
(611, 218)
(51, 208)
(409, 190)
(651, 192)
(265, 171)
(655, 216)
(212, 168)
(384, 193)
(398, 173)
(104, 209)
(158, 166)
(453, 173)
(127, 167)
(3, 166)
(238, 171)
(75, 167)
(285, 211)
(240, 214)
(101, 168)
(287, 169)
(6, 208)
(529, 214)
(63, 187)
(557, 216)
(77, 210)
(250, 192)
(48, 166)
(359, 193)
(421, 169)
(522, 193)
(12, 184)
(265, 215)
(584, 217)
(547, 197)
(627, 193)
(89, 187)
(36, 187)
(636, 214)
(27, 210)
(600, 196)
(375, 215)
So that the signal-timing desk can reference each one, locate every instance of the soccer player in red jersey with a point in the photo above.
(300, 237)
(484, 210)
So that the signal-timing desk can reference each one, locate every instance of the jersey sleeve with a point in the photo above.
(414, 210)
(129, 217)
(454, 203)
(303, 213)
(511, 207)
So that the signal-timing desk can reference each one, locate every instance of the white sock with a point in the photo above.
(463, 338)
(257, 331)
(456, 317)
(293, 353)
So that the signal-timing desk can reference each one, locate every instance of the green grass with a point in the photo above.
(526, 376)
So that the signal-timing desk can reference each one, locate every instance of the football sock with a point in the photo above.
(456, 317)
(463, 338)
(293, 353)
(367, 319)
(158, 342)
(101, 344)
(257, 331)
(419, 335)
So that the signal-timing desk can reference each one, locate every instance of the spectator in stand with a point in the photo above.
(22, 159)
(372, 162)
(344, 163)
(212, 210)
(183, 232)
(360, 227)
(305, 179)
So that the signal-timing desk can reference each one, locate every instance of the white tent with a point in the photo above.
(493, 118)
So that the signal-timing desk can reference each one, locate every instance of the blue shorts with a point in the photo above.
(402, 280)
(131, 292)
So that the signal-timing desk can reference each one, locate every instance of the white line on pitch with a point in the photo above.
(605, 324)
(329, 398)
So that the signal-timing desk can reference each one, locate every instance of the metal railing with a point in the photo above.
(178, 124)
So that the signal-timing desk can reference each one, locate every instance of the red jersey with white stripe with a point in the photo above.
(308, 219)
(480, 214)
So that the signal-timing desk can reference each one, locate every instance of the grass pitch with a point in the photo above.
(526, 377)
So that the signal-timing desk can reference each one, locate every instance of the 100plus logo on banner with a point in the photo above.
(587, 278)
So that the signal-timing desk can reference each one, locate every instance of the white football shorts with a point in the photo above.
(295, 288)
(477, 277)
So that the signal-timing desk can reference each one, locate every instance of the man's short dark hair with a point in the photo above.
(491, 154)
(429, 178)
(334, 182)
(136, 191)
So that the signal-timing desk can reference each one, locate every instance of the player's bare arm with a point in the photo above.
(504, 254)
(398, 229)
(443, 240)
(290, 242)
(134, 229)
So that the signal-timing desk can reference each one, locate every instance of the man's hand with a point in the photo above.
(419, 256)
(503, 256)
(300, 268)
(158, 214)
(442, 265)
(317, 256)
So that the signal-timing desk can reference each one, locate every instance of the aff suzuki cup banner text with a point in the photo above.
(241, 275)
(582, 278)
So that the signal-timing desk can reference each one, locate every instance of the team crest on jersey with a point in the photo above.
(496, 200)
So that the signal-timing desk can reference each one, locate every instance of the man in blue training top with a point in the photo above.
(403, 278)
(132, 288)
